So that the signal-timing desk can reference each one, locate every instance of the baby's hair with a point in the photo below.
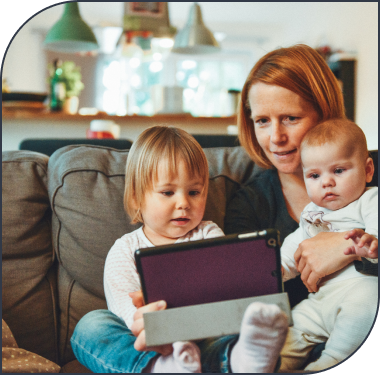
(153, 145)
(339, 131)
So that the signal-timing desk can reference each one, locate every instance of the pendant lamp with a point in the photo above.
(195, 37)
(71, 34)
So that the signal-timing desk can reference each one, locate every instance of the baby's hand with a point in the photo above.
(365, 245)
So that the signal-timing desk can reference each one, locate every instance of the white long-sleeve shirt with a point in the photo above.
(362, 213)
(120, 274)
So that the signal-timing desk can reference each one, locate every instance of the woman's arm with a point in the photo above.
(320, 256)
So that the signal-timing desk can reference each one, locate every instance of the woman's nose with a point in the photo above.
(278, 135)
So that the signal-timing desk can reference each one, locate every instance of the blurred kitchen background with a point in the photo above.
(137, 77)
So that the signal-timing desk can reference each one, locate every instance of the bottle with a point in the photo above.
(57, 88)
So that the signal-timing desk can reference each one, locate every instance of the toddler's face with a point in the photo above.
(173, 207)
(335, 176)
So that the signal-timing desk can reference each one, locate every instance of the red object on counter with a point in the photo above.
(98, 135)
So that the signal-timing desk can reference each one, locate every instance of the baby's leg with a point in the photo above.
(352, 318)
(262, 335)
(308, 331)
(184, 359)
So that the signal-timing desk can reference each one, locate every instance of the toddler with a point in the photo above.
(166, 189)
(336, 167)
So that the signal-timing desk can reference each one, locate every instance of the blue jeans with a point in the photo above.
(102, 342)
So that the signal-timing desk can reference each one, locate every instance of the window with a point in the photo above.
(129, 78)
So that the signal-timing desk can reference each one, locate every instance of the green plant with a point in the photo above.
(71, 76)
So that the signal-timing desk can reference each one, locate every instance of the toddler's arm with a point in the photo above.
(364, 244)
(120, 279)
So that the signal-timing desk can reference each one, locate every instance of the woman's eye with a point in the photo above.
(291, 118)
(261, 121)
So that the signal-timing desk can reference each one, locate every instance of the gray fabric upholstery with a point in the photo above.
(28, 279)
(60, 216)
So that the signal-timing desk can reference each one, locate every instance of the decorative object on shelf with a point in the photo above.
(65, 86)
(57, 87)
(143, 21)
(103, 129)
(71, 34)
(195, 37)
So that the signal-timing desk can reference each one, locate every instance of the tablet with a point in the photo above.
(213, 270)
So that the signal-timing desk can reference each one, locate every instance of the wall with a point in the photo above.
(258, 27)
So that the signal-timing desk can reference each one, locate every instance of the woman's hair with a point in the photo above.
(300, 69)
(152, 146)
(344, 132)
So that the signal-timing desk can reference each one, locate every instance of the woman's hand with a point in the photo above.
(139, 331)
(320, 256)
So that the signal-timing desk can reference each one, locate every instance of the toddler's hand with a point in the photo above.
(137, 298)
(364, 244)
(139, 331)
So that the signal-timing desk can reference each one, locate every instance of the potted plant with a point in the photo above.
(66, 75)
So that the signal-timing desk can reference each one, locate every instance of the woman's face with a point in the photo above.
(281, 118)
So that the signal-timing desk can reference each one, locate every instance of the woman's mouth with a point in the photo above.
(284, 154)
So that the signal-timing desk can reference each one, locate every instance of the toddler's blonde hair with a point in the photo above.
(153, 145)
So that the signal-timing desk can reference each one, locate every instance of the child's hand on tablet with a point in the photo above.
(137, 298)
(139, 331)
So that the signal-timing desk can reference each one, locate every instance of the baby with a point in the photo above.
(336, 168)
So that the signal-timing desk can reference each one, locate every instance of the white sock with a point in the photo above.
(186, 358)
(262, 336)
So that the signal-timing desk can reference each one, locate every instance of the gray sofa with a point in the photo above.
(61, 215)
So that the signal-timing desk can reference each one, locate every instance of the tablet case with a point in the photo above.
(219, 269)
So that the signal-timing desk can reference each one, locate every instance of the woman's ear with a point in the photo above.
(369, 170)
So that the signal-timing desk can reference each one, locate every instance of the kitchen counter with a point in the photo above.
(19, 124)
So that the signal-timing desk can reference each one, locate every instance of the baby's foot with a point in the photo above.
(262, 335)
(185, 358)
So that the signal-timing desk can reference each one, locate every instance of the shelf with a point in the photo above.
(21, 114)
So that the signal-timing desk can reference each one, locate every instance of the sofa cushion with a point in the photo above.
(86, 187)
(28, 277)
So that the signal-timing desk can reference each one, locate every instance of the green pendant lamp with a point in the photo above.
(71, 34)
(195, 37)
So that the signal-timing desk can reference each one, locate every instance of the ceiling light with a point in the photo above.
(195, 37)
(71, 34)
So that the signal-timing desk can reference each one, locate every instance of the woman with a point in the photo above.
(287, 92)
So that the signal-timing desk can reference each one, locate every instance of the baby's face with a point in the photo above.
(334, 176)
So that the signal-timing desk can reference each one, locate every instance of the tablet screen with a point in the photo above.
(211, 270)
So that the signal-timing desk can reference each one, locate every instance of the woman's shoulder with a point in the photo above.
(264, 182)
